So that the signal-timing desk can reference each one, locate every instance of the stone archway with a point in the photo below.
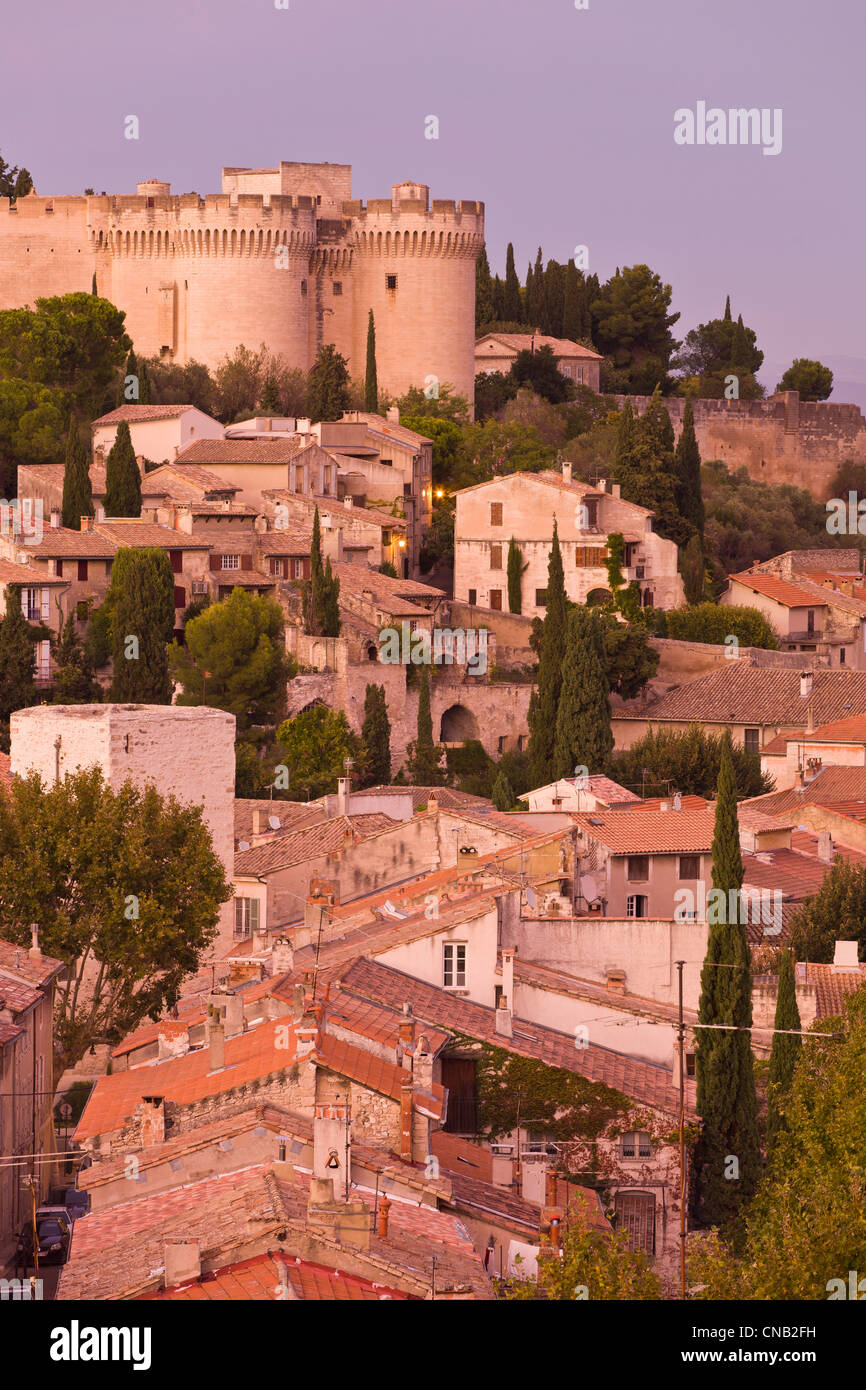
(596, 597)
(458, 725)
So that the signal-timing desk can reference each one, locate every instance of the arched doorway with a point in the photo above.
(458, 725)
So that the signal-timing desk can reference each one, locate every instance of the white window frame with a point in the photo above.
(635, 1136)
(247, 917)
(631, 903)
(299, 569)
(230, 562)
(454, 963)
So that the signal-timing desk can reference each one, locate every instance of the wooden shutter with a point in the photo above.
(46, 605)
(246, 562)
(215, 561)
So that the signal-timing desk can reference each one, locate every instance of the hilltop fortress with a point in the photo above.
(282, 256)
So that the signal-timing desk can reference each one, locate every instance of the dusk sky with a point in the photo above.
(560, 120)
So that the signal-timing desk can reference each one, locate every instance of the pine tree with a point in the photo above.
(544, 701)
(575, 317)
(516, 570)
(371, 381)
(625, 463)
(73, 674)
(77, 491)
(328, 385)
(512, 309)
(786, 1050)
(502, 796)
(17, 662)
(484, 305)
(727, 1158)
(376, 738)
(270, 401)
(128, 392)
(424, 756)
(122, 478)
(583, 727)
(142, 600)
(687, 473)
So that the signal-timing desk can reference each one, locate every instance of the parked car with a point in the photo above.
(76, 1202)
(53, 1229)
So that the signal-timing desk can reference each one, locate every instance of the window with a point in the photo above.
(299, 569)
(751, 739)
(230, 562)
(690, 866)
(31, 605)
(176, 558)
(636, 1144)
(841, 656)
(496, 557)
(473, 596)
(82, 569)
(454, 965)
(278, 568)
(495, 513)
(390, 282)
(58, 570)
(638, 868)
(690, 1064)
(589, 556)
(496, 600)
(541, 598)
(303, 287)
(338, 287)
(636, 906)
(246, 917)
(810, 620)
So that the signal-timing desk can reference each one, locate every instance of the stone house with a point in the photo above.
(806, 616)
(350, 532)
(43, 602)
(158, 432)
(524, 506)
(496, 352)
(27, 983)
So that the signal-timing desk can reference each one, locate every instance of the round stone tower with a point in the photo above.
(415, 268)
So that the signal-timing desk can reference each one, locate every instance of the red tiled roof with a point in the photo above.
(311, 842)
(139, 414)
(264, 1277)
(5, 770)
(63, 540)
(522, 342)
(26, 575)
(129, 532)
(741, 694)
(833, 987)
(292, 815)
(781, 590)
(217, 451)
(641, 1081)
(832, 786)
(637, 831)
(33, 970)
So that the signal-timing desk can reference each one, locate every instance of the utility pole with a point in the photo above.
(681, 1034)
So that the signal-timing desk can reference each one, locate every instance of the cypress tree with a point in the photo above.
(512, 308)
(687, 473)
(536, 306)
(73, 674)
(423, 755)
(133, 386)
(575, 317)
(544, 701)
(624, 458)
(93, 289)
(516, 570)
(371, 382)
(143, 385)
(484, 304)
(785, 1051)
(17, 662)
(692, 570)
(331, 602)
(727, 1158)
(122, 478)
(376, 738)
(554, 299)
(498, 300)
(270, 401)
(142, 599)
(727, 314)
(583, 728)
(502, 796)
(77, 491)
(314, 594)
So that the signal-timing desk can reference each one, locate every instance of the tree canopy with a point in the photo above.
(666, 761)
(316, 744)
(812, 379)
(239, 644)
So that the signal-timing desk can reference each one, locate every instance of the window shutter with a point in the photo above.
(246, 562)
(215, 561)
(24, 602)
(46, 605)
(254, 914)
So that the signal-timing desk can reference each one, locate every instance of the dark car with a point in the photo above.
(77, 1203)
(53, 1228)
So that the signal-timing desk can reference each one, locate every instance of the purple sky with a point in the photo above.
(560, 120)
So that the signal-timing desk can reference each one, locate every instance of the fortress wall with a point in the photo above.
(43, 252)
(331, 316)
(778, 440)
(426, 327)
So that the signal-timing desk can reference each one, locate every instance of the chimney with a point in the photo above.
(566, 472)
(6, 1015)
(406, 1121)
(393, 414)
(845, 957)
(182, 1262)
(307, 1029)
(257, 821)
(346, 1222)
(173, 1040)
(508, 977)
(550, 1188)
(55, 519)
(602, 484)
(228, 1006)
(432, 803)
(826, 852)
(35, 951)
(331, 1120)
(806, 679)
(152, 1120)
(344, 787)
(298, 1003)
(615, 979)
(384, 1209)
(282, 956)
(615, 490)
(216, 1040)
(503, 1018)
(85, 523)
(406, 1034)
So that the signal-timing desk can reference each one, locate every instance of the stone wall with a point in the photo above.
(778, 440)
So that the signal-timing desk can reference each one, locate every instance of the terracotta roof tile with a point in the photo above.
(26, 575)
(217, 451)
(757, 695)
(637, 831)
(140, 414)
(129, 532)
(522, 342)
(310, 842)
